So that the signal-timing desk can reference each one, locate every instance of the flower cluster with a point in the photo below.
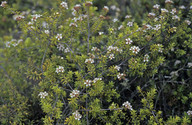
(160, 48)
(77, 115)
(130, 24)
(35, 17)
(59, 36)
(87, 83)
(135, 49)
(13, 42)
(60, 69)
(90, 60)
(156, 6)
(189, 112)
(43, 94)
(97, 79)
(60, 47)
(94, 49)
(64, 5)
(127, 105)
(120, 76)
(75, 93)
(128, 41)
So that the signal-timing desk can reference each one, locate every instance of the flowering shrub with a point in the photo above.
(75, 65)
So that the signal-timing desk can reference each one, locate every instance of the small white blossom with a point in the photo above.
(35, 17)
(128, 41)
(156, 6)
(130, 24)
(60, 47)
(115, 20)
(157, 27)
(8, 44)
(67, 50)
(117, 68)
(3, 3)
(89, 60)
(189, 112)
(175, 17)
(168, 1)
(18, 17)
(135, 49)
(77, 7)
(101, 33)
(189, 64)
(43, 94)
(174, 73)
(182, 7)
(177, 62)
(60, 69)
(88, 3)
(120, 76)
(94, 49)
(77, 115)
(160, 48)
(46, 31)
(106, 8)
(59, 36)
(128, 16)
(120, 27)
(173, 11)
(151, 14)
(64, 5)
(73, 24)
(127, 105)
(113, 7)
(87, 83)
(97, 79)
(146, 58)
(75, 93)
(190, 7)
(163, 10)
(111, 56)
(188, 22)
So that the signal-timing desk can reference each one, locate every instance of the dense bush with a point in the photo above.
(75, 64)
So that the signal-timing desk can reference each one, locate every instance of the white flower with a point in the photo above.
(128, 16)
(89, 60)
(60, 69)
(188, 22)
(30, 23)
(189, 64)
(18, 17)
(8, 44)
(77, 115)
(120, 27)
(87, 83)
(120, 76)
(168, 1)
(111, 56)
(94, 49)
(101, 33)
(77, 7)
(160, 48)
(135, 49)
(117, 68)
(175, 17)
(45, 25)
(174, 73)
(189, 112)
(96, 79)
(73, 24)
(163, 10)
(130, 24)
(43, 94)
(46, 31)
(113, 7)
(35, 17)
(127, 105)
(177, 62)
(156, 6)
(67, 50)
(157, 27)
(88, 3)
(75, 93)
(64, 5)
(59, 36)
(128, 41)
(106, 8)
(146, 58)
(3, 3)
(115, 20)
(182, 7)
(151, 14)
(191, 7)
(173, 11)
(60, 47)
